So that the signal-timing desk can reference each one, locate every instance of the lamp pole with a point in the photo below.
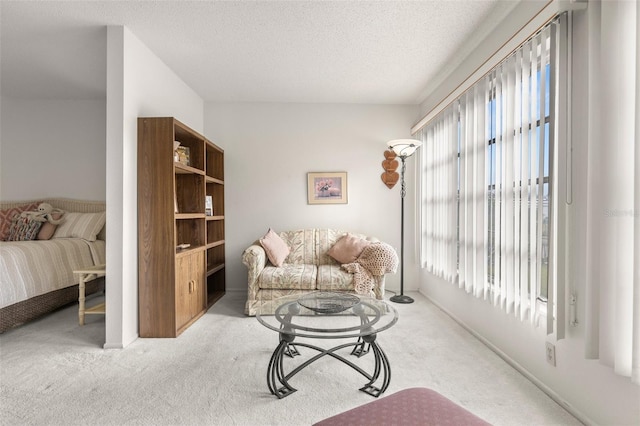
(403, 148)
(402, 298)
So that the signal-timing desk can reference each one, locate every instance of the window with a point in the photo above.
(487, 181)
(530, 179)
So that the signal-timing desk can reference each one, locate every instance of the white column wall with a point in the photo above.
(138, 84)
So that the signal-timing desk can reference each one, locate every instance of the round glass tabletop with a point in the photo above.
(327, 315)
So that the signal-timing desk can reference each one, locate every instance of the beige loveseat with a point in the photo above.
(307, 268)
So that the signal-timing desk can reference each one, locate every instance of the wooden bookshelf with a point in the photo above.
(177, 285)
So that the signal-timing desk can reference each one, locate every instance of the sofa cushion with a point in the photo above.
(325, 239)
(348, 248)
(290, 276)
(333, 277)
(302, 245)
(275, 247)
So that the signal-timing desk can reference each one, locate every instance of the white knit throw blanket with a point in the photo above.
(376, 259)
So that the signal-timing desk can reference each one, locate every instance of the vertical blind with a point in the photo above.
(487, 181)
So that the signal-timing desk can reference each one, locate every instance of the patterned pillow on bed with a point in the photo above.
(23, 229)
(7, 215)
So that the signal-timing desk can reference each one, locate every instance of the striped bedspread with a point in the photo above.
(32, 268)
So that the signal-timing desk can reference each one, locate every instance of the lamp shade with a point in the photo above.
(404, 147)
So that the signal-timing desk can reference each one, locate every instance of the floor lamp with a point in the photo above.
(404, 148)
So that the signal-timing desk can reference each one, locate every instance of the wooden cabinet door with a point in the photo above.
(198, 297)
(189, 287)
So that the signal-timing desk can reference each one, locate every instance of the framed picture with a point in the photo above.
(327, 187)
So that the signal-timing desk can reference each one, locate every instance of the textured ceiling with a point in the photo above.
(383, 52)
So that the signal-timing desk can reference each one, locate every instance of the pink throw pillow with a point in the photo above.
(47, 229)
(347, 249)
(277, 250)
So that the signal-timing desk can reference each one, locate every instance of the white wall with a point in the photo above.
(587, 387)
(139, 84)
(52, 148)
(270, 148)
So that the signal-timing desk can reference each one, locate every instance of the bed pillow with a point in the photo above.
(348, 248)
(81, 225)
(47, 229)
(277, 250)
(23, 229)
(7, 215)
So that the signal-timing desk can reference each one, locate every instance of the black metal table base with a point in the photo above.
(278, 380)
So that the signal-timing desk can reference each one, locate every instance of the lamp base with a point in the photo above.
(401, 298)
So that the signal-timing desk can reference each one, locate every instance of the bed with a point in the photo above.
(36, 277)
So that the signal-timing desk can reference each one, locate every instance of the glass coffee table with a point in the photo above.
(327, 316)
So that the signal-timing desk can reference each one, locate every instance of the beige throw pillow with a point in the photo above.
(347, 249)
(277, 250)
(81, 225)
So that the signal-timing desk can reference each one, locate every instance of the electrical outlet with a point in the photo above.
(551, 353)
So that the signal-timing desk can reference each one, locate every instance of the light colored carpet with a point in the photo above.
(54, 372)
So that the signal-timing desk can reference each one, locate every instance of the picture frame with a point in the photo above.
(327, 188)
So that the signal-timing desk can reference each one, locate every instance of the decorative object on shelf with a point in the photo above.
(184, 155)
(390, 165)
(326, 302)
(327, 187)
(176, 156)
(208, 205)
(403, 148)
